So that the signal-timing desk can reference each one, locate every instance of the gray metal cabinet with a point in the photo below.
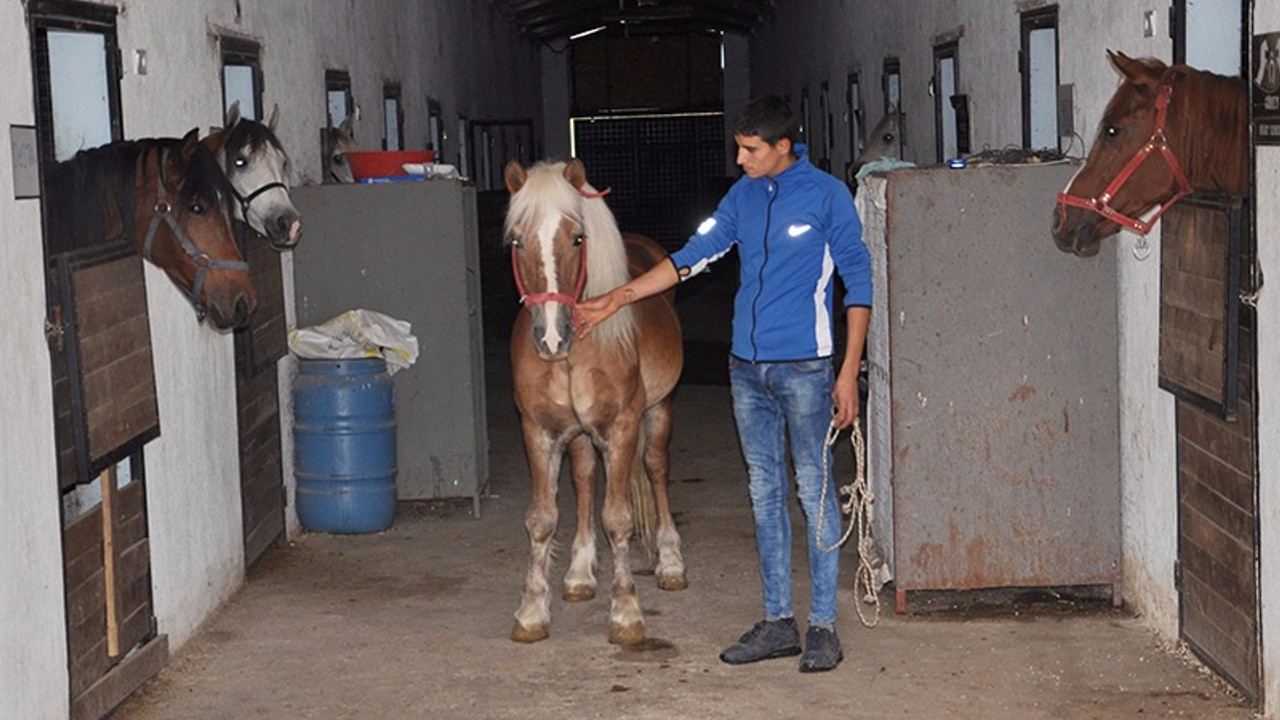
(409, 250)
(994, 388)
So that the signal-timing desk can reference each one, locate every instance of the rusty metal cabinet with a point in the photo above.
(994, 389)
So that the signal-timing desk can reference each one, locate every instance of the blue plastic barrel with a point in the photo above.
(345, 440)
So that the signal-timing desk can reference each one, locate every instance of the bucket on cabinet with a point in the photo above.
(345, 439)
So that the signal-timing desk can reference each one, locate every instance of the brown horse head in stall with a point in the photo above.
(256, 165)
(607, 392)
(1167, 132)
(171, 201)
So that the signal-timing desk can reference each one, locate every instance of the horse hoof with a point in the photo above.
(522, 634)
(673, 581)
(579, 593)
(626, 634)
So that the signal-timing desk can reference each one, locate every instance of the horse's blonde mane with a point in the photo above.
(546, 190)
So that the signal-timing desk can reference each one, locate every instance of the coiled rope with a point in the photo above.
(857, 504)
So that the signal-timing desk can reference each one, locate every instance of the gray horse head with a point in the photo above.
(885, 141)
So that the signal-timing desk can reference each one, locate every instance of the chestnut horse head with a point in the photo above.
(171, 201)
(562, 250)
(1167, 132)
(255, 162)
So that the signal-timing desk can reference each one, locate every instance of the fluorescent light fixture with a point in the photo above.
(585, 33)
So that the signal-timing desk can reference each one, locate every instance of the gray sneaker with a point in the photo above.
(767, 639)
(821, 650)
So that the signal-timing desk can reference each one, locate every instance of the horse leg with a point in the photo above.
(626, 623)
(580, 581)
(670, 570)
(533, 619)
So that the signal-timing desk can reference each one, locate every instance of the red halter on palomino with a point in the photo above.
(571, 301)
(1102, 203)
(527, 298)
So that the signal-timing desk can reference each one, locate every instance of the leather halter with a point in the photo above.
(571, 301)
(244, 200)
(1102, 203)
(243, 224)
(202, 261)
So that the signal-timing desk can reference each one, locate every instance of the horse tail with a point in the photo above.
(644, 508)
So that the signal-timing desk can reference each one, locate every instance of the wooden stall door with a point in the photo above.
(258, 348)
(1207, 361)
(106, 410)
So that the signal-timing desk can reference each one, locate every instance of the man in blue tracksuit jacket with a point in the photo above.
(794, 226)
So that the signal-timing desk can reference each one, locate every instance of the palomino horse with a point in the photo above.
(335, 143)
(1167, 132)
(170, 200)
(609, 391)
(885, 141)
(255, 162)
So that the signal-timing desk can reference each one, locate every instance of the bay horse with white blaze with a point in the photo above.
(1167, 132)
(168, 198)
(607, 392)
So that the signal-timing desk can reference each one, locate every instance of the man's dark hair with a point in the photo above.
(769, 117)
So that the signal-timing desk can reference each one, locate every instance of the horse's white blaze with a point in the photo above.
(547, 248)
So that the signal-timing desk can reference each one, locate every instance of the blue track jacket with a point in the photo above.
(792, 230)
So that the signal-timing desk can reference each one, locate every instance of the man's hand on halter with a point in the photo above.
(592, 312)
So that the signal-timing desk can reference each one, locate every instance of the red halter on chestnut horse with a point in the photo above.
(1167, 132)
(607, 392)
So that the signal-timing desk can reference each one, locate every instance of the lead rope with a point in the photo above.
(857, 505)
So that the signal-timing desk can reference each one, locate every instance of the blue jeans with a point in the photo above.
(769, 398)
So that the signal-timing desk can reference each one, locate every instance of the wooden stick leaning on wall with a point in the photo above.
(108, 480)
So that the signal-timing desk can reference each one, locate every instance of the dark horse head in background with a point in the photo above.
(169, 199)
(255, 162)
(1167, 132)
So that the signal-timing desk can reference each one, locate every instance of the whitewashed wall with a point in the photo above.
(33, 646)
(466, 55)
(1266, 19)
(830, 39)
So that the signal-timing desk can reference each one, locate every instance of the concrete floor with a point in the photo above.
(413, 623)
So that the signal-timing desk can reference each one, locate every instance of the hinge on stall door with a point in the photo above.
(54, 330)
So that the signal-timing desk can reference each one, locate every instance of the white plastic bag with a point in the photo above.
(357, 334)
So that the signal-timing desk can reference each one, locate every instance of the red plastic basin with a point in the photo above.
(385, 163)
